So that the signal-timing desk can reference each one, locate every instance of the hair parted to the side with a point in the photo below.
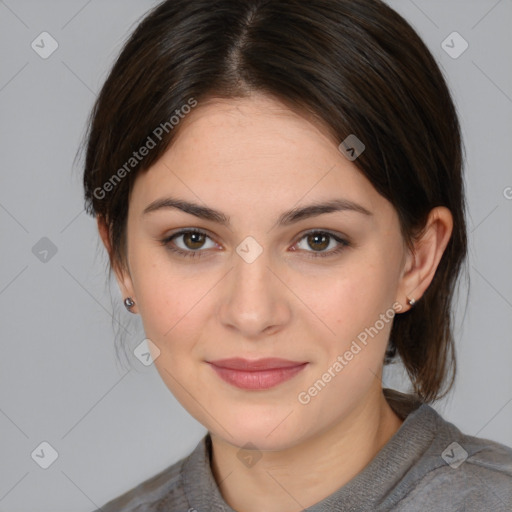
(356, 67)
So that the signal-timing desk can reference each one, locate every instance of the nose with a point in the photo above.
(254, 301)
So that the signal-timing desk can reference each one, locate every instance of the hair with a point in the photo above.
(354, 66)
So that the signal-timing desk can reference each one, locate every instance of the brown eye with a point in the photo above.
(193, 240)
(189, 242)
(316, 243)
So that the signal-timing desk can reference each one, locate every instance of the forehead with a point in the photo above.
(253, 152)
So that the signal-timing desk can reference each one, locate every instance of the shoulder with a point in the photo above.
(464, 473)
(475, 455)
(156, 493)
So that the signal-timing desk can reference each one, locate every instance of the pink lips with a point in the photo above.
(257, 374)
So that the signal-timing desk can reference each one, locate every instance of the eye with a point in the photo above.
(319, 241)
(188, 242)
(191, 243)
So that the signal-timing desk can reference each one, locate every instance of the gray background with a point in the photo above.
(60, 381)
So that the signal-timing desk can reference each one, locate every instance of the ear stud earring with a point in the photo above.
(129, 303)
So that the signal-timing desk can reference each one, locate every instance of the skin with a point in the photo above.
(252, 159)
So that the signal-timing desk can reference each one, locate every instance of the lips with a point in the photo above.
(256, 374)
(269, 363)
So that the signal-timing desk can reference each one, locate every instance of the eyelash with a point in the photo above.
(166, 242)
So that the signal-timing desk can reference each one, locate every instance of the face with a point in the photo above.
(316, 288)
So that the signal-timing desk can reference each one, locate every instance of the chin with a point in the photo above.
(266, 434)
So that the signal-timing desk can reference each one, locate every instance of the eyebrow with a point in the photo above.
(285, 219)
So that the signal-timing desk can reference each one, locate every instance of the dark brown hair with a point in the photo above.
(356, 66)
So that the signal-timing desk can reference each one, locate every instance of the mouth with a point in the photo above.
(256, 374)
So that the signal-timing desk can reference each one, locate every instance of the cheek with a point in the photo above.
(350, 296)
(172, 312)
(168, 300)
(350, 302)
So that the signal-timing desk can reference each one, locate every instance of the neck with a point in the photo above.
(298, 477)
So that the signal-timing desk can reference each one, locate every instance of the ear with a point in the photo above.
(122, 275)
(421, 264)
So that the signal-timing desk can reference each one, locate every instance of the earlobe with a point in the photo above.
(424, 260)
(122, 277)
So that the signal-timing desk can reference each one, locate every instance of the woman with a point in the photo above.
(279, 188)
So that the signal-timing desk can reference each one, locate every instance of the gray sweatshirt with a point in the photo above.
(428, 465)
